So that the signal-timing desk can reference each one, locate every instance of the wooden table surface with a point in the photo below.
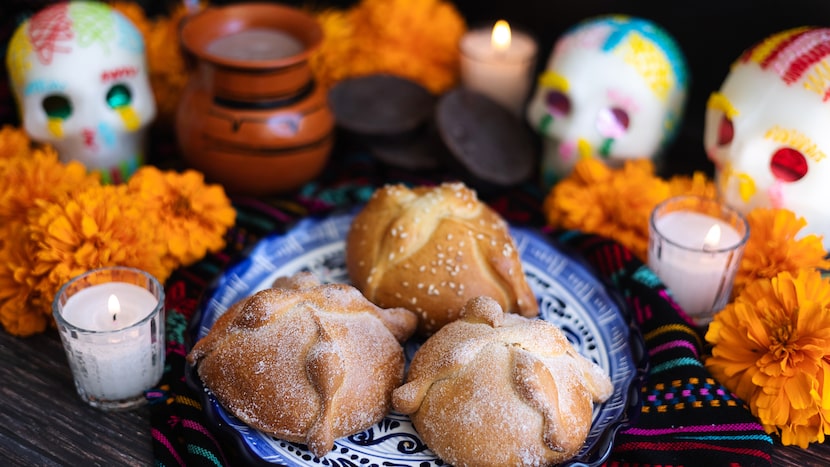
(43, 422)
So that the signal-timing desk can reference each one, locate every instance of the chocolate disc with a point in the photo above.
(380, 104)
(490, 144)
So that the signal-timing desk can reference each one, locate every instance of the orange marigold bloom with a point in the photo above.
(328, 62)
(697, 184)
(771, 347)
(415, 39)
(774, 246)
(14, 143)
(24, 309)
(190, 217)
(99, 226)
(38, 175)
(615, 203)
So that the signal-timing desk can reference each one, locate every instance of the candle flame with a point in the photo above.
(501, 37)
(712, 237)
(114, 306)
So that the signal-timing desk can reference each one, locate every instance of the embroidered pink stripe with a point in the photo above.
(196, 426)
(673, 345)
(693, 429)
(166, 443)
(690, 446)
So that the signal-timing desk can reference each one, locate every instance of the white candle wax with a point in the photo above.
(695, 272)
(89, 309)
(256, 44)
(502, 73)
(113, 359)
(689, 229)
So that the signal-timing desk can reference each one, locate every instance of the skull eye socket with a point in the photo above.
(613, 122)
(57, 106)
(119, 96)
(788, 165)
(726, 131)
(558, 103)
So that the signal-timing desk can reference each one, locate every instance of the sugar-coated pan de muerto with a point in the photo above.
(432, 248)
(305, 362)
(497, 389)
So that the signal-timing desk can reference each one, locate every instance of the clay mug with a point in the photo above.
(251, 116)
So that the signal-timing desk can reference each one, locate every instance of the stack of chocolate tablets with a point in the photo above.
(392, 116)
(405, 126)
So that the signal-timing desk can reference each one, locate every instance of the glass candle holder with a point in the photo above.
(111, 323)
(695, 247)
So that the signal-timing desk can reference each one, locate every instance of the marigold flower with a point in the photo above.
(14, 143)
(37, 175)
(328, 62)
(190, 217)
(57, 221)
(697, 184)
(24, 309)
(615, 203)
(771, 347)
(415, 39)
(99, 226)
(774, 246)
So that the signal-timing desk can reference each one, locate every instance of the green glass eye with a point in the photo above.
(57, 106)
(119, 96)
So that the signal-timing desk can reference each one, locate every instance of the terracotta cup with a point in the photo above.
(252, 117)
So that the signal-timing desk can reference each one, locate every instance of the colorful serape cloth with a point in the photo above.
(686, 415)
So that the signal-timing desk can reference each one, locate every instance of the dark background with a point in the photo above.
(711, 34)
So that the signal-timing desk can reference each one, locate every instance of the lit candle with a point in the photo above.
(499, 63)
(695, 247)
(99, 308)
(112, 324)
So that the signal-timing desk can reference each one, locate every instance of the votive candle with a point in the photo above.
(695, 247)
(499, 63)
(111, 322)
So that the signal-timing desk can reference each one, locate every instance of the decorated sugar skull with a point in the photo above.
(79, 76)
(614, 87)
(767, 129)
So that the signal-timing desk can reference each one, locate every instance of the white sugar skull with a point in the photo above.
(614, 88)
(766, 129)
(79, 74)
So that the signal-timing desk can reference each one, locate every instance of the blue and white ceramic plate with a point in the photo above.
(568, 295)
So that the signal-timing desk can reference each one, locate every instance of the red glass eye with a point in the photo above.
(558, 104)
(726, 131)
(788, 165)
(613, 122)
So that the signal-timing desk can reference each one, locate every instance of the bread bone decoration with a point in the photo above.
(305, 362)
(515, 387)
(431, 249)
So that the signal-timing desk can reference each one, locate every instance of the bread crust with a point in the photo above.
(515, 387)
(431, 249)
(305, 362)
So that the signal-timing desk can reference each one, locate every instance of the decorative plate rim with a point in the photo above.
(596, 455)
